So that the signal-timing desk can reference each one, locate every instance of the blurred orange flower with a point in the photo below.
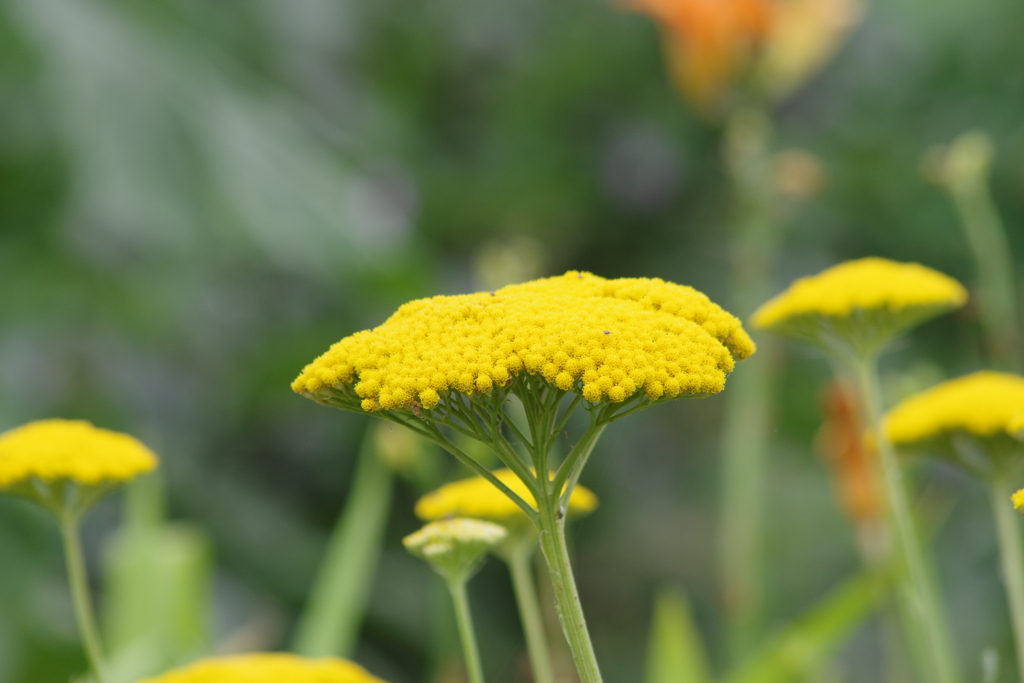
(841, 440)
(711, 45)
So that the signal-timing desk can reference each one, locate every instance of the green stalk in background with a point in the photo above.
(962, 169)
(337, 603)
(1011, 557)
(923, 616)
(765, 188)
(745, 426)
(455, 549)
(518, 557)
(79, 583)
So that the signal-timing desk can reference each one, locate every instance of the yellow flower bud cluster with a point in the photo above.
(480, 499)
(268, 668)
(983, 404)
(867, 284)
(605, 339)
(52, 450)
(1018, 499)
(455, 532)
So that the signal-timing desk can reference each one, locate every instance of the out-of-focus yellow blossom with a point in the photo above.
(982, 404)
(870, 284)
(1016, 425)
(70, 450)
(604, 339)
(480, 499)
(268, 668)
(1018, 499)
(712, 45)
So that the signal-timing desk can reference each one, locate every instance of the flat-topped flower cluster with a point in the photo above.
(865, 284)
(74, 450)
(983, 403)
(604, 339)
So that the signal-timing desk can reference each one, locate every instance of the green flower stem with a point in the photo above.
(464, 619)
(518, 560)
(923, 619)
(567, 600)
(79, 583)
(336, 604)
(1012, 558)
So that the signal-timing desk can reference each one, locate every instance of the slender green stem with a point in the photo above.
(79, 582)
(464, 619)
(529, 612)
(337, 603)
(1012, 557)
(924, 619)
(567, 600)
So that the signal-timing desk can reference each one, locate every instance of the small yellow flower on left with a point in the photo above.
(70, 450)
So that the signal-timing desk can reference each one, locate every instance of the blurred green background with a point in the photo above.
(197, 198)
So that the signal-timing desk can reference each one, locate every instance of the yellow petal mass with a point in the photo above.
(75, 450)
(480, 499)
(1018, 500)
(268, 668)
(983, 404)
(604, 339)
(870, 284)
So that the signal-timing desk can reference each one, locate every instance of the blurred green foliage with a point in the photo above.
(196, 198)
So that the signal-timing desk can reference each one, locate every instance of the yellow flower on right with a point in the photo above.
(860, 305)
(982, 404)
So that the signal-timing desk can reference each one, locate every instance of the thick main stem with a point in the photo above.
(924, 619)
(1011, 556)
(474, 670)
(529, 611)
(79, 583)
(567, 600)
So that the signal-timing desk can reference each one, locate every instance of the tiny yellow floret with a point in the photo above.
(74, 450)
(268, 668)
(868, 284)
(603, 339)
(1018, 500)
(480, 499)
(983, 404)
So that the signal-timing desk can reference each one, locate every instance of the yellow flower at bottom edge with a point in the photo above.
(983, 404)
(73, 450)
(867, 284)
(480, 499)
(268, 668)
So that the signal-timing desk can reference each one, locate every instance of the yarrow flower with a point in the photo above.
(860, 304)
(479, 499)
(268, 668)
(603, 339)
(983, 404)
(456, 363)
(73, 450)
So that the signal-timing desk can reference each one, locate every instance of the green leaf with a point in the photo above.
(675, 651)
(803, 646)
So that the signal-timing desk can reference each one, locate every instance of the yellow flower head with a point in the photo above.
(982, 404)
(1018, 500)
(480, 499)
(268, 668)
(603, 339)
(869, 299)
(70, 450)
